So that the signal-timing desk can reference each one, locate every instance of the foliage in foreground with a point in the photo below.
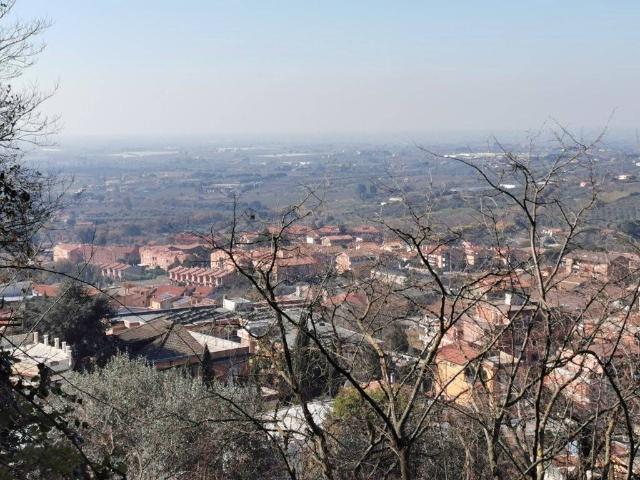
(153, 425)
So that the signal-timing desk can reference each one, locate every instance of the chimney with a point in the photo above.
(45, 339)
(56, 343)
(35, 337)
(63, 346)
(508, 298)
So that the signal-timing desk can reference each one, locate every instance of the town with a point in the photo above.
(319, 240)
(392, 306)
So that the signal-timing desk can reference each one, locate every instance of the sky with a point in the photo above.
(207, 67)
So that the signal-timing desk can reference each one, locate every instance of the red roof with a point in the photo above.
(458, 354)
(169, 289)
(46, 290)
(328, 230)
(202, 291)
(365, 229)
(295, 261)
(333, 238)
(353, 298)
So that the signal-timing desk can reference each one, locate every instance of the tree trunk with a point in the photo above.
(403, 458)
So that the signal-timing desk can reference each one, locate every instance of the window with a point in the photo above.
(469, 374)
(472, 374)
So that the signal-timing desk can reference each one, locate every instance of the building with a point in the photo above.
(367, 233)
(41, 290)
(358, 261)
(164, 296)
(599, 265)
(229, 359)
(95, 254)
(37, 350)
(237, 304)
(68, 252)
(166, 344)
(389, 276)
(160, 256)
(291, 268)
(119, 271)
(16, 291)
(476, 256)
(438, 256)
(206, 277)
(312, 238)
(462, 372)
(336, 240)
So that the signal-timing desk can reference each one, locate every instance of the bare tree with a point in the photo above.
(525, 362)
(31, 434)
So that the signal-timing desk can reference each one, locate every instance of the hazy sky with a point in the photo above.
(182, 67)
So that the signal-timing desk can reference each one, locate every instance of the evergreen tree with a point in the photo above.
(75, 317)
(208, 374)
(315, 374)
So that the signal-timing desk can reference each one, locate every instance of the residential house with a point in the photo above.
(464, 372)
(336, 240)
(119, 271)
(366, 233)
(288, 266)
(356, 260)
(389, 276)
(201, 276)
(165, 344)
(476, 256)
(95, 254)
(37, 350)
(603, 266)
(437, 256)
(16, 291)
(68, 252)
(42, 290)
(160, 256)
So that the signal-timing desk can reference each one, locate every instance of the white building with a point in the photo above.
(31, 350)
